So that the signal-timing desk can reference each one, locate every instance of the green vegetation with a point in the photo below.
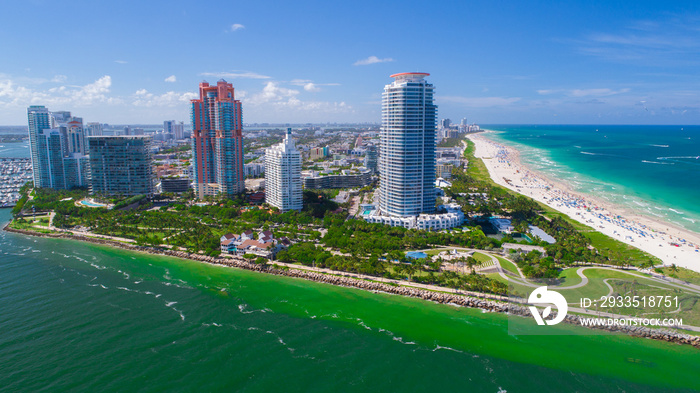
(177, 149)
(29, 225)
(576, 243)
(355, 245)
(419, 270)
(130, 201)
(681, 274)
(509, 266)
(193, 228)
(675, 303)
(450, 142)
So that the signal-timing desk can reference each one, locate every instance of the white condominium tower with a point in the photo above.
(283, 175)
(407, 146)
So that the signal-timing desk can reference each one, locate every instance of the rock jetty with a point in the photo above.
(438, 297)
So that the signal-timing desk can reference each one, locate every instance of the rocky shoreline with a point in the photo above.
(437, 297)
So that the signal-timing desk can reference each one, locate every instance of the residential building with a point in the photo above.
(254, 169)
(60, 118)
(39, 120)
(407, 193)
(283, 175)
(444, 170)
(217, 140)
(407, 152)
(347, 179)
(371, 159)
(174, 128)
(57, 146)
(451, 217)
(121, 165)
(174, 184)
(265, 245)
(318, 152)
(93, 129)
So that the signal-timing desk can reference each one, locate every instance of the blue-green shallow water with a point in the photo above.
(80, 317)
(14, 149)
(653, 170)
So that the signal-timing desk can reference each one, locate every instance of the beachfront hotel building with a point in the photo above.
(407, 195)
(407, 146)
(121, 165)
(217, 141)
(283, 175)
(57, 147)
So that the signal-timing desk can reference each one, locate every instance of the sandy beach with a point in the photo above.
(670, 244)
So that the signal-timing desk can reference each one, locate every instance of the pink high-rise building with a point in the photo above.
(217, 141)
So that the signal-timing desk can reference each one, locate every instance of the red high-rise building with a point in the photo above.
(217, 141)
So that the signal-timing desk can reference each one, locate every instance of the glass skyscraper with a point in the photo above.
(57, 146)
(39, 120)
(121, 165)
(217, 141)
(407, 146)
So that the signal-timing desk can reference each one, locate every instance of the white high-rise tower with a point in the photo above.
(407, 152)
(283, 175)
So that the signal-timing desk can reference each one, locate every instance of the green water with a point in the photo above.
(80, 317)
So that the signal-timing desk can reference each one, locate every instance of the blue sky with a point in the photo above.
(588, 62)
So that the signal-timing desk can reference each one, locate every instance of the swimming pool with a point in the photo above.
(89, 203)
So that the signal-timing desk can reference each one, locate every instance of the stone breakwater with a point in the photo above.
(502, 306)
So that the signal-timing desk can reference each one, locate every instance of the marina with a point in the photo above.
(14, 173)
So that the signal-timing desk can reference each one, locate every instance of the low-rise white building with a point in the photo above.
(453, 217)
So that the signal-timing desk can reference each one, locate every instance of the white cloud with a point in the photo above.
(600, 92)
(93, 92)
(309, 85)
(236, 74)
(65, 95)
(121, 61)
(596, 92)
(480, 102)
(372, 60)
(59, 79)
(142, 98)
(272, 92)
(237, 26)
(171, 78)
(287, 104)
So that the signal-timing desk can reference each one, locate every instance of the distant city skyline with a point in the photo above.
(315, 62)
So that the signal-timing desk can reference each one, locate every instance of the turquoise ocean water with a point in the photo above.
(14, 149)
(652, 170)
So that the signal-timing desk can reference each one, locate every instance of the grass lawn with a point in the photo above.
(688, 307)
(481, 257)
(569, 277)
(30, 226)
(497, 277)
(683, 274)
(508, 265)
(602, 242)
(597, 288)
